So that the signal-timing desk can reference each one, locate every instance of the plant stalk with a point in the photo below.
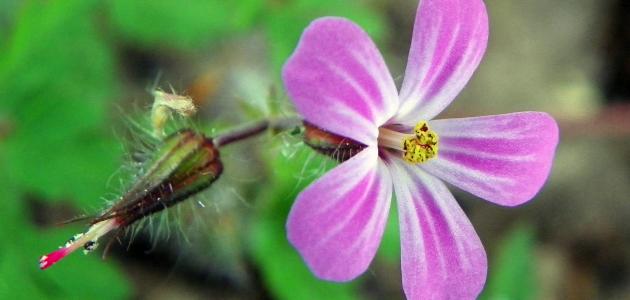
(255, 128)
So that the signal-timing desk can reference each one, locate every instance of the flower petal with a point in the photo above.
(338, 80)
(449, 40)
(337, 223)
(442, 256)
(504, 159)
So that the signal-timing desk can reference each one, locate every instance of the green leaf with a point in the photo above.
(284, 271)
(512, 276)
(57, 81)
(77, 277)
(7, 17)
(21, 246)
(181, 25)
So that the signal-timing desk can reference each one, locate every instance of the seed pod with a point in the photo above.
(186, 163)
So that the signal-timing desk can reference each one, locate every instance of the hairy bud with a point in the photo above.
(186, 163)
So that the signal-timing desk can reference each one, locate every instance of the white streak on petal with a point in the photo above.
(442, 256)
(504, 159)
(339, 242)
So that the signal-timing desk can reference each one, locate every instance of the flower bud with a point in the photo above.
(186, 163)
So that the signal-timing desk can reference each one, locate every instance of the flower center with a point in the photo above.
(416, 148)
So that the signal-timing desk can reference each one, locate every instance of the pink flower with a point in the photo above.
(339, 82)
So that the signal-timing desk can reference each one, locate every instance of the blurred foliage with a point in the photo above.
(285, 21)
(179, 25)
(56, 78)
(512, 275)
(20, 278)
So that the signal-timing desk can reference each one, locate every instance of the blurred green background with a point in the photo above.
(73, 73)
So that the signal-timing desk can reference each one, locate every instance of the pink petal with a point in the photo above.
(449, 40)
(337, 222)
(338, 80)
(504, 159)
(442, 256)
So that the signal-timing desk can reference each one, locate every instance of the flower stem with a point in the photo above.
(256, 128)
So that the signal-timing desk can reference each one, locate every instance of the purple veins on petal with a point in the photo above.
(449, 40)
(338, 80)
(337, 223)
(504, 159)
(442, 256)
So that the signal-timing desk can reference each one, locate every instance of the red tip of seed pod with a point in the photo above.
(48, 260)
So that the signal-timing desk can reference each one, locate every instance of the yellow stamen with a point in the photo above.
(421, 147)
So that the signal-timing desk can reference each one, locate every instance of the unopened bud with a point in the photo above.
(187, 162)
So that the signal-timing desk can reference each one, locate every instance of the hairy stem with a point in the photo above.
(256, 128)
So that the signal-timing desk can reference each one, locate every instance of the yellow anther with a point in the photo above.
(421, 127)
(432, 137)
(421, 147)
